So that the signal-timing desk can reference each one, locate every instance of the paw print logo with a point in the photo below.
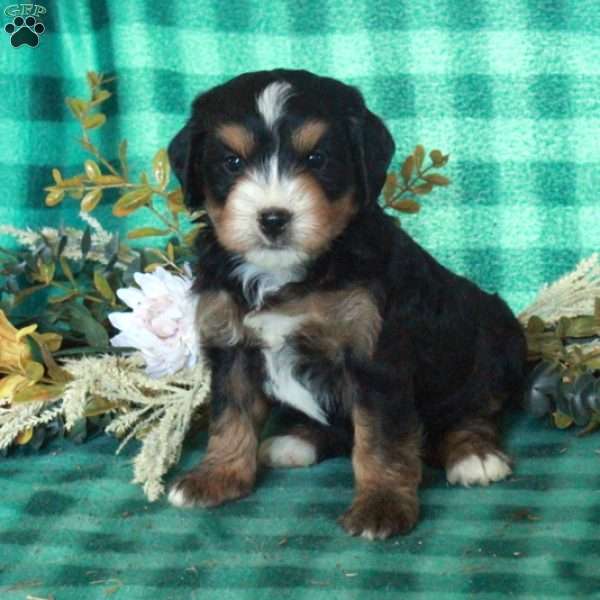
(25, 31)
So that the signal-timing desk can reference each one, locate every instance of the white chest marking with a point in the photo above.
(260, 281)
(281, 360)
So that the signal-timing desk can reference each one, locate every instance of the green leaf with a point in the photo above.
(112, 248)
(584, 326)
(123, 158)
(100, 96)
(76, 193)
(81, 320)
(39, 393)
(175, 201)
(77, 106)
(57, 374)
(11, 383)
(131, 201)
(98, 406)
(94, 79)
(92, 170)
(102, 285)
(91, 200)
(562, 421)
(171, 252)
(34, 371)
(161, 168)
(62, 244)
(66, 269)
(86, 241)
(72, 181)
(63, 297)
(152, 267)
(56, 176)
(94, 121)
(535, 325)
(143, 232)
(45, 272)
(24, 437)
(109, 179)
(54, 198)
(24, 293)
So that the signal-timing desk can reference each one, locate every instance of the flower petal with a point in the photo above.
(133, 297)
(150, 285)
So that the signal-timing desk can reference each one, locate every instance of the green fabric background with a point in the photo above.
(510, 90)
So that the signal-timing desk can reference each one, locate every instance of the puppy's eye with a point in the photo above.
(315, 160)
(233, 163)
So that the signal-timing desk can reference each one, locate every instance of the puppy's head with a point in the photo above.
(281, 161)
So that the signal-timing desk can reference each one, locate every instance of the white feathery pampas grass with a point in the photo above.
(100, 238)
(572, 295)
(159, 409)
(14, 419)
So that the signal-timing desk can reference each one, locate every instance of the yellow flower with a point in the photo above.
(14, 349)
(22, 372)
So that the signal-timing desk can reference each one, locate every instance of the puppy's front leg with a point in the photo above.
(238, 411)
(387, 468)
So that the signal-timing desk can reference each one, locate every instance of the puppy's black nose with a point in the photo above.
(273, 222)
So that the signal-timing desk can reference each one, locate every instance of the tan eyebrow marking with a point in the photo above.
(305, 138)
(237, 137)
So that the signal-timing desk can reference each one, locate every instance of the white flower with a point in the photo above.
(162, 321)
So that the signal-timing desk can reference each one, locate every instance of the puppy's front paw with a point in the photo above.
(379, 515)
(209, 487)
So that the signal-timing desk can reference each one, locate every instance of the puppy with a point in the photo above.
(311, 296)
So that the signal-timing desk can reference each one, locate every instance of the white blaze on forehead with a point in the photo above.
(271, 101)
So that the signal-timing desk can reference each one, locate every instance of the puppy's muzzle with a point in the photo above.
(273, 223)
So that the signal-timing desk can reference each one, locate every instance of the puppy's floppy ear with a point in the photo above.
(372, 150)
(185, 154)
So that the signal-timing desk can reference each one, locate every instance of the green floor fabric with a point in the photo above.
(73, 526)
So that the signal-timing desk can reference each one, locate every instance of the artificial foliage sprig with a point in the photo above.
(65, 283)
(100, 176)
(566, 382)
(562, 328)
(413, 180)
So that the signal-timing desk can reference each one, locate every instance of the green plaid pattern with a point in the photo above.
(73, 526)
(511, 90)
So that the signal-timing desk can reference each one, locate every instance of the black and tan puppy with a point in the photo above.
(311, 296)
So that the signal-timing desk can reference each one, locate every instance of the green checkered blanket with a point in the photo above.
(511, 90)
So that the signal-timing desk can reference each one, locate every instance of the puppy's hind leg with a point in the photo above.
(471, 454)
(303, 444)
